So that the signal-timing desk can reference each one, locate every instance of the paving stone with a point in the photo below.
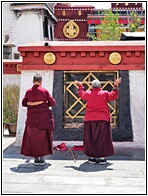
(124, 173)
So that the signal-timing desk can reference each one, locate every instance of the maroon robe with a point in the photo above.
(98, 139)
(37, 138)
(97, 131)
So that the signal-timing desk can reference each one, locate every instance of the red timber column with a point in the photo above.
(83, 56)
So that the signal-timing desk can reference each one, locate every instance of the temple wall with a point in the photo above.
(137, 109)
(78, 14)
(130, 130)
(137, 103)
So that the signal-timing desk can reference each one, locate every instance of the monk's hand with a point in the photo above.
(78, 83)
(30, 103)
(117, 82)
(39, 102)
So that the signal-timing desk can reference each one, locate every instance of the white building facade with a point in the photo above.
(28, 22)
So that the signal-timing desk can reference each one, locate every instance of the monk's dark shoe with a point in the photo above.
(92, 160)
(42, 162)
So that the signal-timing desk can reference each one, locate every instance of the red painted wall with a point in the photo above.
(84, 55)
(71, 13)
(79, 56)
(58, 31)
(10, 66)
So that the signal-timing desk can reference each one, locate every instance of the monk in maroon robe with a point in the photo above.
(37, 138)
(97, 139)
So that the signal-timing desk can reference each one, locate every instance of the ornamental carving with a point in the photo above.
(63, 13)
(115, 58)
(79, 12)
(49, 58)
(71, 29)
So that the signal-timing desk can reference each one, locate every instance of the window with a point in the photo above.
(74, 107)
(45, 27)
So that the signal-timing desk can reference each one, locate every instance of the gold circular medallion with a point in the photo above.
(115, 58)
(49, 58)
(71, 29)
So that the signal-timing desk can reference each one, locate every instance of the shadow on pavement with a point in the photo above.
(88, 167)
(29, 168)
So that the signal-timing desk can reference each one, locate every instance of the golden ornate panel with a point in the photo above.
(74, 108)
(49, 58)
(71, 29)
(115, 58)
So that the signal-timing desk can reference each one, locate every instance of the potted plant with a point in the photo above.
(10, 106)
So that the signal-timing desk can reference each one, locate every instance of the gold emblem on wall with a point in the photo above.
(115, 58)
(79, 12)
(63, 13)
(71, 29)
(49, 58)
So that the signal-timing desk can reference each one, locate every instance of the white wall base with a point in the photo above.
(137, 106)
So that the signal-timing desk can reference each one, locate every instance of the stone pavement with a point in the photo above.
(123, 174)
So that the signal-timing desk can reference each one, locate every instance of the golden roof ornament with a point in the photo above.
(79, 12)
(63, 13)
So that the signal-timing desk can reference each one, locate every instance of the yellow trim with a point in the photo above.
(17, 67)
